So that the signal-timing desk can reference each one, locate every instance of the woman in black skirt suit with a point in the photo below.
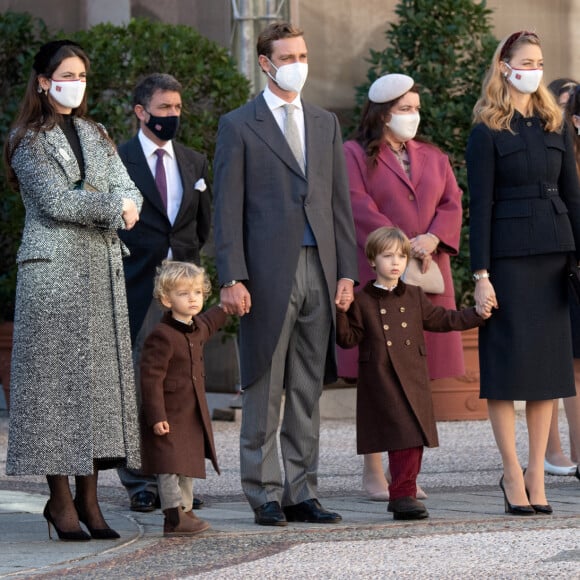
(524, 225)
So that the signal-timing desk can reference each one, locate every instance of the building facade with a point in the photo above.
(339, 34)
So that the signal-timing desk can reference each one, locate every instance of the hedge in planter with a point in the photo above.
(20, 37)
(119, 56)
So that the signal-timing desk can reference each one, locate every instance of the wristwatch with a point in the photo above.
(230, 284)
(477, 277)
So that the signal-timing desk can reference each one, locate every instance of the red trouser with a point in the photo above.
(405, 465)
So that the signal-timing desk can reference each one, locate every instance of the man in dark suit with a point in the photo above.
(174, 222)
(286, 258)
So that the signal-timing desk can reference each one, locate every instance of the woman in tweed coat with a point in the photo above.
(73, 404)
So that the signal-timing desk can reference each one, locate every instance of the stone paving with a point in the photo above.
(467, 535)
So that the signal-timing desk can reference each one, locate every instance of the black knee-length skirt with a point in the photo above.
(525, 348)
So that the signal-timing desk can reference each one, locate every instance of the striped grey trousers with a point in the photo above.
(296, 376)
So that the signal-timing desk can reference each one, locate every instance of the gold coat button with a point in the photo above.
(408, 342)
(404, 324)
(389, 343)
(383, 311)
(402, 309)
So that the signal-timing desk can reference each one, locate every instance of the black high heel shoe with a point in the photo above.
(97, 533)
(516, 510)
(545, 509)
(76, 536)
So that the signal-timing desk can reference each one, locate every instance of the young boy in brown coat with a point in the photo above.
(394, 405)
(176, 433)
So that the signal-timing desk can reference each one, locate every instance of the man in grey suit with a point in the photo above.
(286, 258)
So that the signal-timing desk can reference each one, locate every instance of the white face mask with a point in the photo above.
(525, 81)
(68, 94)
(290, 77)
(404, 126)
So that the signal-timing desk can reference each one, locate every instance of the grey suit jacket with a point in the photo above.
(262, 201)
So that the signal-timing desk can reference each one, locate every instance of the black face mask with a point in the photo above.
(164, 128)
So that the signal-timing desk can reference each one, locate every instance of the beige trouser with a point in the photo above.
(175, 490)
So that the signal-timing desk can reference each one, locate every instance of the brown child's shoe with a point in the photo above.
(407, 508)
(180, 523)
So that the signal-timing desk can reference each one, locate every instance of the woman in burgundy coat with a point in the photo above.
(176, 433)
(396, 180)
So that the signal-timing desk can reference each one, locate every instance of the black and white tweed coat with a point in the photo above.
(72, 389)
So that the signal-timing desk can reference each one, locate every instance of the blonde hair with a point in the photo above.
(494, 107)
(385, 237)
(170, 273)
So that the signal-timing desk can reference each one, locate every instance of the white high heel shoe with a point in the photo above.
(559, 470)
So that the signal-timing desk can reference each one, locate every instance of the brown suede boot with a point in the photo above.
(178, 523)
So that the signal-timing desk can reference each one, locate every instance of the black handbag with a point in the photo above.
(574, 277)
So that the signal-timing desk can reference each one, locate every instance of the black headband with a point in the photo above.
(46, 53)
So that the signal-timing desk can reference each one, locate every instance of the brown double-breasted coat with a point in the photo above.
(394, 405)
(173, 390)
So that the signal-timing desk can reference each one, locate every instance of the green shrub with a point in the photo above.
(446, 46)
(119, 56)
(20, 37)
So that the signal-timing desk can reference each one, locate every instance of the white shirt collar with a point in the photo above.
(275, 102)
(149, 147)
(389, 289)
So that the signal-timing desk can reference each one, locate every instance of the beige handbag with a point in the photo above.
(431, 282)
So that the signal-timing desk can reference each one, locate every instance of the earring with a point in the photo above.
(39, 89)
(505, 75)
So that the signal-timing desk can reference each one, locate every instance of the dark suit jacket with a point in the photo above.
(524, 192)
(262, 200)
(150, 240)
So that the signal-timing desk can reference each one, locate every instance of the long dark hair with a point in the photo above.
(370, 133)
(573, 108)
(37, 113)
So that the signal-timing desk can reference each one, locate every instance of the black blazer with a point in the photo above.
(150, 240)
(524, 192)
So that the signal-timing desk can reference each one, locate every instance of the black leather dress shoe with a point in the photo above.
(143, 501)
(311, 511)
(197, 503)
(270, 514)
(407, 508)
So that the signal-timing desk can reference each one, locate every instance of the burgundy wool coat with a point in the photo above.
(173, 390)
(394, 405)
(428, 202)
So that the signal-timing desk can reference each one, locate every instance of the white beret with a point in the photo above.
(390, 87)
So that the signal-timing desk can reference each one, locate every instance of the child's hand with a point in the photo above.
(344, 294)
(161, 428)
(483, 312)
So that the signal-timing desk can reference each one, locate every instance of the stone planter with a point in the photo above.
(6, 330)
(457, 398)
